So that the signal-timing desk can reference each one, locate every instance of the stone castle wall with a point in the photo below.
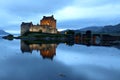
(48, 22)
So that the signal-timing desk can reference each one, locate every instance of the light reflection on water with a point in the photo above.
(77, 62)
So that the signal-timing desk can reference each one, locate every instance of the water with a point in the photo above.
(20, 61)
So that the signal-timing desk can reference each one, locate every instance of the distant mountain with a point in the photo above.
(104, 29)
(83, 30)
(100, 29)
(111, 29)
(2, 32)
(93, 29)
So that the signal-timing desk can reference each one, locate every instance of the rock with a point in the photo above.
(9, 37)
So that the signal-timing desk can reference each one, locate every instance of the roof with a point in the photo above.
(28, 23)
(48, 17)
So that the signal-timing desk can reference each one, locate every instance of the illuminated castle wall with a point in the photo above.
(47, 25)
(48, 21)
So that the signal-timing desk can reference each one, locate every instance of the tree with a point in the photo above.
(88, 33)
(40, 31)
(70, 32)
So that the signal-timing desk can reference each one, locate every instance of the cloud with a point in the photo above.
(94, 3)
(31, 7)
(74, 12)
(82, 23)
(13, 12)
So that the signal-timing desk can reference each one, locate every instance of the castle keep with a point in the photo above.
(47, 25)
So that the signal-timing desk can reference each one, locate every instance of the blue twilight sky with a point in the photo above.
(72, 14)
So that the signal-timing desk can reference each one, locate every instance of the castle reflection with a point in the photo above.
(46, 50)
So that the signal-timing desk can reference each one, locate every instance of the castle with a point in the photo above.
(47, 25)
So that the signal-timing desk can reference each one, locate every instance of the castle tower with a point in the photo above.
(25, 27)
(48, 21)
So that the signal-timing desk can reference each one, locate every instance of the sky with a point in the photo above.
(70, 14)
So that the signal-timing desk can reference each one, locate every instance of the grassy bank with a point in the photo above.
(42, 35)
(45, 36)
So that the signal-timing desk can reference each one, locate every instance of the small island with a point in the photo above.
(46, 32)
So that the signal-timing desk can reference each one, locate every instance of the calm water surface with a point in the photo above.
(57, 62)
